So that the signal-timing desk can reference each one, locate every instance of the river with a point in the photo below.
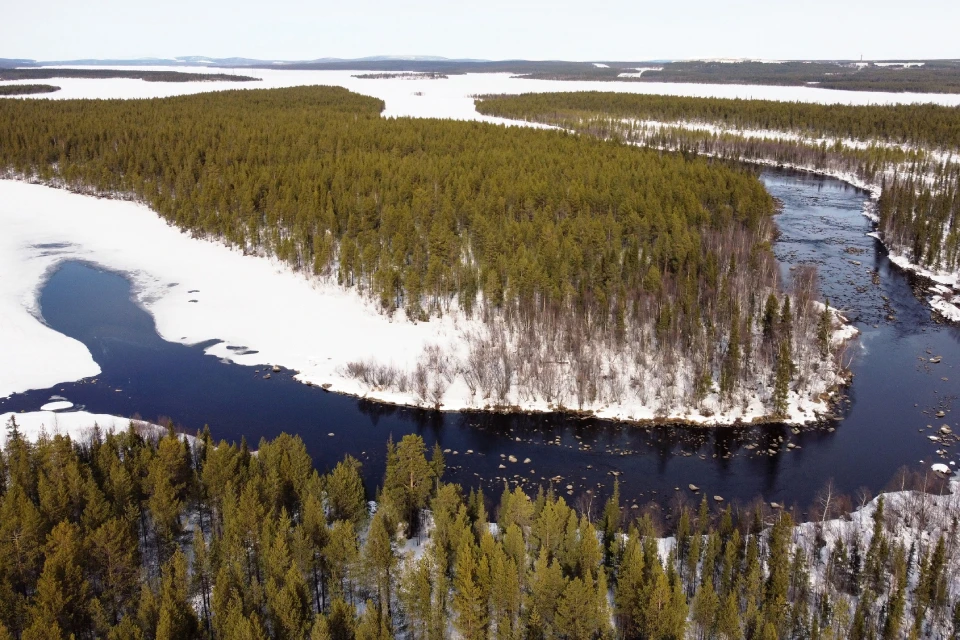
(883, 424)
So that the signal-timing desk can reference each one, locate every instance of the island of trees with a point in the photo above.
(404, 75)
(603, 273)
(133, 536)
(44, 73)
(26, 89)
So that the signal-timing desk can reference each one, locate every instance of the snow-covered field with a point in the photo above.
(453, 97)
(313, 327)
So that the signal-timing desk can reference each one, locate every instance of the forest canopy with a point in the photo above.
(928, 125)
(409, 207)
(592, 263)
(148, 536)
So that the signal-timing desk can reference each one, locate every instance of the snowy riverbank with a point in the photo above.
(197, 290)
(313, 327)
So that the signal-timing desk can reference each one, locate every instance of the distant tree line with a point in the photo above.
(403, 75)
(933, 76)
(928, 125)
(26, 89)
(148, 76)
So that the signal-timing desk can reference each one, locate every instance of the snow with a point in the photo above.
(905, 65)
(600, 65)
(76, 424)
(637, 72)
(453, 98)
(913, 519)
(57, 405)
(940, 468)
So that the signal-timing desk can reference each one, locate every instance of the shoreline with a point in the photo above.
(111, 223)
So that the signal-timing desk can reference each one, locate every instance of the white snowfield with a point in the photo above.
(452, 97)
(301, 323)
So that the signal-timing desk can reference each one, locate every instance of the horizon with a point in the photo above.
(197, 59)
(613, 30)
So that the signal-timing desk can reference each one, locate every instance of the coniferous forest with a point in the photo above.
(135, 535)
(909, 151)
(602, 272)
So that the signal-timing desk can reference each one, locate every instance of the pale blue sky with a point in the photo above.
(493, 29)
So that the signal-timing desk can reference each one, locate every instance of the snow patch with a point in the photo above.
(57, 405)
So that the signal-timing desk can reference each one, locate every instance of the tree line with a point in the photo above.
(26, 89)
(926, 125)
(136, 536)
(932, 76)
(599, 261)
(100, 74)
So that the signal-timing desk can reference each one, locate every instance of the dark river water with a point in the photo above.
(895, 394)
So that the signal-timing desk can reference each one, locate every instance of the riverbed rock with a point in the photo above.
(512, 458)
(945, 430)
(526, 461)
(693, 487)
(276, 368)
(718, 498)
(936, 359)
(941, 414)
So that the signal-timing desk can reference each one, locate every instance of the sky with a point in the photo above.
(492, 29)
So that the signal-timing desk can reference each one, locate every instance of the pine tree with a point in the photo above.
(62, 591)
(824, 330)
(577, 613)
(409, 479)
(469, 598)
(345, 492)
(610, 521)
(380, 560)
(320, 629)
(783, 376)
(705, 606)
(176, 619)
(778, 580)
